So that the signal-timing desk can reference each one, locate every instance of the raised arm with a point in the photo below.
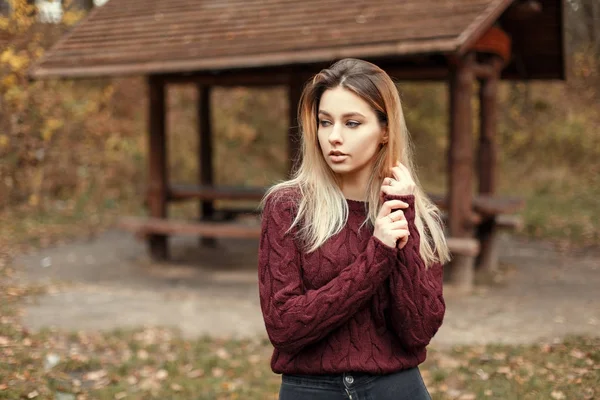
(417, 304)
(295, 317)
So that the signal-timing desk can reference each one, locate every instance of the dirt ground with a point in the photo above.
(110, 282)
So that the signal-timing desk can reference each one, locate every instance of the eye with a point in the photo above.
(352, 124)
(324, 123)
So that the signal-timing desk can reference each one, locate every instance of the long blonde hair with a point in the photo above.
(322, 210)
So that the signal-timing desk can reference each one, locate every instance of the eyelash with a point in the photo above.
(350, 124)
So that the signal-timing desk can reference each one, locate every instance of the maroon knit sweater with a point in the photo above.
(353, 305)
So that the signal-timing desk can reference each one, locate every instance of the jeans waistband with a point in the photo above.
(329, 380)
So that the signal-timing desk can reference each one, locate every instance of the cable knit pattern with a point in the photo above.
(354, 305)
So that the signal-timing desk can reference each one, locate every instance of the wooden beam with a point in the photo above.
(147, 226)
(157, 159)
(523, 10)
(460, 166)
(484, 71)
(488, 110)
(424, 73)
(460, 152)
(487, 164)
(295, 86)
(237, 78)
(463, 246)
(205, 157)
(150, 226)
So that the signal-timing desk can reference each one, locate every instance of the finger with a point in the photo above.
(388, 181)
(402, 242)
(401, 233)
(386, 189)
(391, 191)
(401, 206)
(390, 205)
(397, 215)
(398, 225)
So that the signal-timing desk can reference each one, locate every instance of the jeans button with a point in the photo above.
(349, 380)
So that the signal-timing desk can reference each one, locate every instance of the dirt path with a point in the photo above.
(110, 283)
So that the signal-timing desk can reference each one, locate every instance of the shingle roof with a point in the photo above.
(152, 36)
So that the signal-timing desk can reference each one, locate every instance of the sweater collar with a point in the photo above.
(357, 205)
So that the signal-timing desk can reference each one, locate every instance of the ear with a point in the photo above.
(385, 137)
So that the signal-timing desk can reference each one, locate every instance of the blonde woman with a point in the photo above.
(351, 251)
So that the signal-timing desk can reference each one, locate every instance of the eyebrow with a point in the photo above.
(347, 115)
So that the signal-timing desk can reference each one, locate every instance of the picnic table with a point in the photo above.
(489, 215)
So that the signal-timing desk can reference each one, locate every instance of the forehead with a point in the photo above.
(340, 101)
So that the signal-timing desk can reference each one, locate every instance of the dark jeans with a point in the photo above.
(403, 385)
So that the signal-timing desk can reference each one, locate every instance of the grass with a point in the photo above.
(159, 363)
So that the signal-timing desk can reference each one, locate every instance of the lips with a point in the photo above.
(337, 156)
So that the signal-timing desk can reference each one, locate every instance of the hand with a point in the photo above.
(401, 184)
(391, 227)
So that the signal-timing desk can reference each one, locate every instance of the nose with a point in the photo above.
(335, 137)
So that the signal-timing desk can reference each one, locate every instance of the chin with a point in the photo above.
(340, 168)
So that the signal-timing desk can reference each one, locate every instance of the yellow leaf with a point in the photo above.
(34, 200)
(4, 141)
(9, 80)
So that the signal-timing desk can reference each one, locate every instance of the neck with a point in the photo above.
(354, 184)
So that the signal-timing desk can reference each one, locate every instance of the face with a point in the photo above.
(349, 132)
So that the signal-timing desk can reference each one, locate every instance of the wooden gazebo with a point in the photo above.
(282, 42)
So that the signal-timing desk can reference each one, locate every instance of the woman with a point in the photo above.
(350, 255)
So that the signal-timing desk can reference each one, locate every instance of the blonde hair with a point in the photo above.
(322, 210)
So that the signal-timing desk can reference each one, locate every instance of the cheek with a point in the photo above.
(367, 142)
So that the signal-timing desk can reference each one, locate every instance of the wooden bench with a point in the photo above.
(143, 226)
(490, 214)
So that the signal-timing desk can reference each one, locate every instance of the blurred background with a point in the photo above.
(73, 159)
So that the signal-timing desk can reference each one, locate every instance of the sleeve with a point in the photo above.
(294, 317)
(417, 304)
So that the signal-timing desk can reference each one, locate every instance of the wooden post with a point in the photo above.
(157, 158)
(294, 139)
(205, 161)
(460, 168)
(487, 163)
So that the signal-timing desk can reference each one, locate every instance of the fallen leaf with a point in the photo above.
(162, 374)
(176, 387)
(484, 376)
(142, 354)
(577, 354)
(197, 373)
(223, 354)
(546, 348)
(254, 359)
(503, 370)
(95, 375)
(557, 395)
